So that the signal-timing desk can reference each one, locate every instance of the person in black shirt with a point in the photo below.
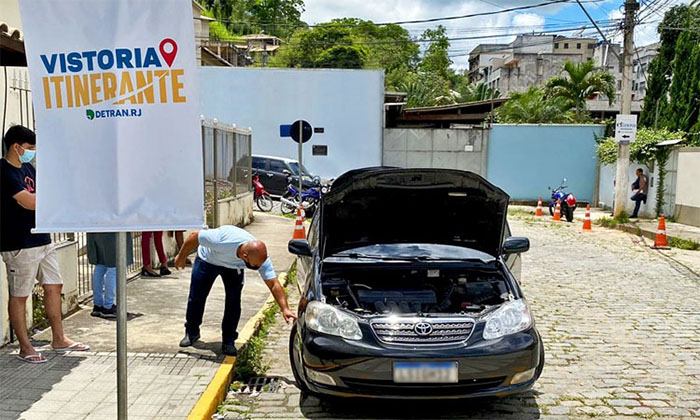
(27, 256)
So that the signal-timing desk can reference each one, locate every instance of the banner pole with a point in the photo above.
(122, 413)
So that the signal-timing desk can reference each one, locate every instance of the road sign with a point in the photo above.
(625, 128)
(306, 131)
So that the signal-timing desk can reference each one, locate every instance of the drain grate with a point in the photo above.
(258, 385)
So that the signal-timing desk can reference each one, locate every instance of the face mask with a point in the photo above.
(27, 156)
(251, 267)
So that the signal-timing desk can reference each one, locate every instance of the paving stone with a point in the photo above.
(672, 411)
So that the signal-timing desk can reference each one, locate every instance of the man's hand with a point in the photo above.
(288, 315)
(180, 261)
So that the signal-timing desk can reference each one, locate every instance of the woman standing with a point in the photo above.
(102, 253)
(147, 270)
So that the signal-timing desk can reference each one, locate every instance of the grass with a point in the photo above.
(688, 244)
(40, 321)
(614, 221)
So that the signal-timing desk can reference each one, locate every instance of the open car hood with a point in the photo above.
(394, 205)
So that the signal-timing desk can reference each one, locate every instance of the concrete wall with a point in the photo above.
(688, 187)
(237, 211)
(436, 148)
(524, 159)
(606, 188)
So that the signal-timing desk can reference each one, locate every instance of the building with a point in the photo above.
(261, 46)
(213, 52)
(641, 60)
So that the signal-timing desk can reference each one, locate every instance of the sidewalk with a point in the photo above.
(647, 227)
(164, 382)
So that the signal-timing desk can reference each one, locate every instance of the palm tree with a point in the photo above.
(477, 92)
(534, 107)
(580, 83)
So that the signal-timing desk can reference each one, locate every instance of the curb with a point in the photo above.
(216, 390)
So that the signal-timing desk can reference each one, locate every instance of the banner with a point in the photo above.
(119, 143)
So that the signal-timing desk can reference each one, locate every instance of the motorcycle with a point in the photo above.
(290, 200)
(567, 201)
(260, 195)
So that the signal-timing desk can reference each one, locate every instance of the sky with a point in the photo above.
(552, 17)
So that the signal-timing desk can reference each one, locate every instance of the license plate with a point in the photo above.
(426, 373)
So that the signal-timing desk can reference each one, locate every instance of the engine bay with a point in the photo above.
(388, 291)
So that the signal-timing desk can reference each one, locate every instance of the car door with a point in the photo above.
(278, 181)
(512, 261)
(261, 166)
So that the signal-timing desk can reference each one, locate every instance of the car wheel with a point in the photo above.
(264, 202)
(295, 360)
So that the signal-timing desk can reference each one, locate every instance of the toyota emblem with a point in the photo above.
(423, 329)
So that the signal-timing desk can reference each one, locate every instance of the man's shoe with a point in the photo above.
(229, 350)
(188, 340)
(109, 312)
(164, 271)
(96, 311)
(146, 273)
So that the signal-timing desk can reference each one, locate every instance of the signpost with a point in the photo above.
(625, 128)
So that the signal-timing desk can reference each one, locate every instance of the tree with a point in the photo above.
(275, 17)
(424, 89)
(672, 98)
(580, 83)
(471, 92)
(436, 59)
(534, 107)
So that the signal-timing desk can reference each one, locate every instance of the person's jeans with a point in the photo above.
(203, 276)
(638, 198)
(104, 285)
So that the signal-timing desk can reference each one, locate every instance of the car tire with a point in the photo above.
(293, 340)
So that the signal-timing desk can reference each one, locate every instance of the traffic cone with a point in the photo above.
(538, 212)
(661, 242)
(299, 229)
(587, 219)
(557, 212)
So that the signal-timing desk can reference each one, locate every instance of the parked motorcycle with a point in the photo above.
(260, 195)
(567, 201)
(290, 200)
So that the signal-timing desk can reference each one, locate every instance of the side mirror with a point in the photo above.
(286, 172)
(516, 245)
(299, 247)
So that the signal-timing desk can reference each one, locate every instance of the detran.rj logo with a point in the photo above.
(113, 77)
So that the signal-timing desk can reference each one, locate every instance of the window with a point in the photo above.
(591, 46)
(259, 163)
(578, 46)
(277, 166)
(566, 45)
(619, 84)
(556, 45)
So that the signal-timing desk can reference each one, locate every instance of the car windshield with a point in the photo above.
(295, 169)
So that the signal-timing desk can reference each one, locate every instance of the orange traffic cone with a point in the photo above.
(557, 212)
(538, 212)
(299, 229)
(661, 242)
(587, 219)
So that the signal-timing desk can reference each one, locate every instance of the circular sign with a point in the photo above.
(306, 131)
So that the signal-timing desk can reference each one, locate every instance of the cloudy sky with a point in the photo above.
(498, 27)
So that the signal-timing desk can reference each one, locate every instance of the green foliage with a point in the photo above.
(39, 317)
(471, 92)
(673, 93)
(534, 107)
(643, 150)
(436, 59)
(425, 89)
(580, 83)
(688, 244)
(608, 222)
(257, 13)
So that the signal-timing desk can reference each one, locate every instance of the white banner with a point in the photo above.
(118, 132)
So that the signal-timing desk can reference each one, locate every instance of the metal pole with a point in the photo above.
(623, 150)
(301, 137)
(122, 405)
(215, 209)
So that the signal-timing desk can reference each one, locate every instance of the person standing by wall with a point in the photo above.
(641, 185)
(102, 253)
(147, 270)
(27, 256)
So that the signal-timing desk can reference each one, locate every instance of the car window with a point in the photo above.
(313, 233)
(277, 166)
(259, 163)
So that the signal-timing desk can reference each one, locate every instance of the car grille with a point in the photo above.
(383, 387)
(422, 331)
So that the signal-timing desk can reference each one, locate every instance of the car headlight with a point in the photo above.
(327, 319)
(510, 318)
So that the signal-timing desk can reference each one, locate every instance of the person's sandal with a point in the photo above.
(146, 273)
(33, 358)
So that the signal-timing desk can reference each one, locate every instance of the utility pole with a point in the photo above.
(623, 150)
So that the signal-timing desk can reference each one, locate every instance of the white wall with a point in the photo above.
(18, 112)
(688, 187)
(348, 104)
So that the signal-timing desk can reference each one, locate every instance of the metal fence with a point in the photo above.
(227, 164)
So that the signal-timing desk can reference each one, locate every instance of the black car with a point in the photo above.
(406, 292)
(274, 170)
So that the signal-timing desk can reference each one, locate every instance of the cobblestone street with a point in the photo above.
(620, 322)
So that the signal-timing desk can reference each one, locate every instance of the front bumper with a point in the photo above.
(365, 368)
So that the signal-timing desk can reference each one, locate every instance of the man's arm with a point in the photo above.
(278, 293)
(188, 247)
(26, 199)
(643, 184)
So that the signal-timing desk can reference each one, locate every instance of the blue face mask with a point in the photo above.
(28, 155)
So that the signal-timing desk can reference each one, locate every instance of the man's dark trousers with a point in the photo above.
(203, 277)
